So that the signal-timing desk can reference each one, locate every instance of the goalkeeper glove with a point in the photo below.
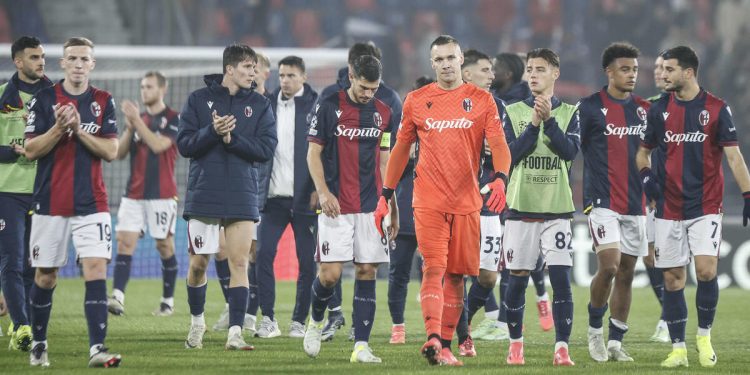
(382, 210)
(496, 201)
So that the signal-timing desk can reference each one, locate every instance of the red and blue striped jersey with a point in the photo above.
(610, 135)
(351, 135)
(69, 178)
(690, 135)
(152, 175)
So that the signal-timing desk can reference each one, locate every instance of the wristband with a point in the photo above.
(501, 176)
(387, 193)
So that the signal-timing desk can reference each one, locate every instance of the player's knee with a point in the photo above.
(674, 279)
(487, 279)
(328, 279)
(559, 277)
(165, 247)
(46, 277)
(125, 244)
(608, 270)
(198, 265)
(705, 274)
(365, 271)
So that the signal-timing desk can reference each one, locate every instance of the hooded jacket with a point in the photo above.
(222, 178)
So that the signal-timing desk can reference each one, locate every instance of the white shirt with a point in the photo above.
(282, 173)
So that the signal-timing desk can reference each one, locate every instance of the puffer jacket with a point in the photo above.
(222, 179)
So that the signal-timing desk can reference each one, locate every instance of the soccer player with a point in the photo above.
(71, 127)
(349, 145)
(17, 185)
(508, 83)
(510, 86)
(451, 120)
(612, 121)
(286, 197)
(150, 200)
(388, 96)
(691, 128)
(402, 254)
(262, 72)
(224, 129)
(655, 275)
(543, 135)
(477, 70)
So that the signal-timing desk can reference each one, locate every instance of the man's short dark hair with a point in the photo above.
(685, 56)
(161, 80)
(443, 40)
(423, 81)
(513, 63)
(619, 50)
(363, 49)
(472, 56)
(78, 41)
(544, 53)
(22, 43)
(237, 53)
(367, 67)
(295, 61)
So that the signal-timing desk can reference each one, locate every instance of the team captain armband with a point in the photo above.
(385, 140)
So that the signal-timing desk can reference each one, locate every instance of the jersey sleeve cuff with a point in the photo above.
(729, 144)
(316, 140)
(646, 145)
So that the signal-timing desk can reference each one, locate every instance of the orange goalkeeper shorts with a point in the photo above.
(448, 240)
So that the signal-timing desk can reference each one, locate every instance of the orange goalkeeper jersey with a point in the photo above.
(451, 127)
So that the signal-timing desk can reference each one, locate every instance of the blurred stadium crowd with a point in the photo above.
(578, 29)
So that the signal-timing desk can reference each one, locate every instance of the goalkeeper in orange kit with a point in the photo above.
(450, 120)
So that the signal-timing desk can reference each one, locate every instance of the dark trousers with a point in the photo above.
(16, 274)
(276, 215)
(398, 275)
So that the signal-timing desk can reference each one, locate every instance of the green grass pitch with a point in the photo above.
(152, 345)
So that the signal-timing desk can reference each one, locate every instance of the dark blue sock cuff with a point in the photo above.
(96, 286)
(364, 287)
(222, 268)
(320, 291)
(169, 263)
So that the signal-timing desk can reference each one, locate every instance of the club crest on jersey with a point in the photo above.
(96, 109)
(642, 114)
(248, 111)
(377, 119)
(429, 105)
(704, 118)
(198, 241)
(600, 231)
(467, 105)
